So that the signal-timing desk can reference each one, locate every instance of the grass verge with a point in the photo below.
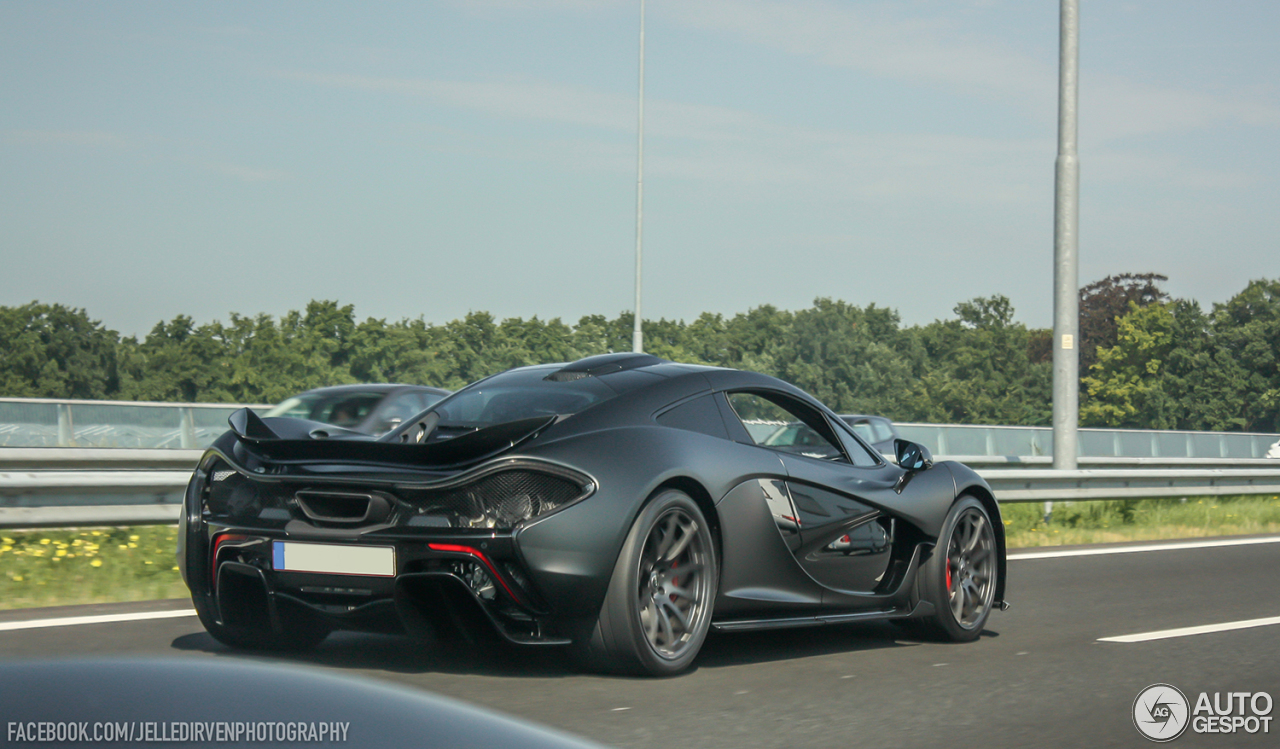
(88, 565)
(106, 565)
(1111, 521)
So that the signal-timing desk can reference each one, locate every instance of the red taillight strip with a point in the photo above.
(456, 549)
(217, 543)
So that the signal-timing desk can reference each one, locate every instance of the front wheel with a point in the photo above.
(657, 611)
(960, 577)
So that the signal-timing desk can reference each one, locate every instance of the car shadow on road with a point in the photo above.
(405, 655)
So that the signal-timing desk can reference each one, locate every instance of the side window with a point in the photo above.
(698, 415)
(780, 423)
(860, 456)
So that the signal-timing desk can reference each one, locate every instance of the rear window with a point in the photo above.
(520, 394)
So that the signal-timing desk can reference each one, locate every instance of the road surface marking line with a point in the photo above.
(100, 619)
(1146, 547)
(1165, 634)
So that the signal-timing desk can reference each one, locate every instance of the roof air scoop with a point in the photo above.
(594, 366)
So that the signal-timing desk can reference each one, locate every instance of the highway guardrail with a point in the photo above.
(30, 499)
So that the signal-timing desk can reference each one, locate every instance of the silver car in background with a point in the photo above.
(372, 409)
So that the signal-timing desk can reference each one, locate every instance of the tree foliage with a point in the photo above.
(1154, 362)
(56, 351)
(1103, 303)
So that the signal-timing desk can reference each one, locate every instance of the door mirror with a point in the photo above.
(911, 455)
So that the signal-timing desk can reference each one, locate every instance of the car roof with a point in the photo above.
(380, 387)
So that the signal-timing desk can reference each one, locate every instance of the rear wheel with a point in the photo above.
(657, 611)
(960, 577)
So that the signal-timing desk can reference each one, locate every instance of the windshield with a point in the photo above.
(344, 409)
(520, 394)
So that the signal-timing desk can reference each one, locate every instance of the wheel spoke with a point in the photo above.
(649, 621)
(975, 600)
(680, 615)
(665, 620)
(978, 525)
(688, 571)
(689, 532)
(679, 592)
(668, 531)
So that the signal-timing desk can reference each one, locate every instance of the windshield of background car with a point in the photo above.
(339, 409)
(520, 394)
(863, 430)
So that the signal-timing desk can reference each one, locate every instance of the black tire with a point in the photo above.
(961, 575)
(657, 611)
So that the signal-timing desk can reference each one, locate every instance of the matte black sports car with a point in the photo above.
(621, 505)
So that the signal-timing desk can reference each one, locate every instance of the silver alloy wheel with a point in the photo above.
(674, 588)
(971, 568)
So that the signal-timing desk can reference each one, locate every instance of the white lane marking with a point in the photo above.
(1165, 634)
(1145, 547)
(99, 619)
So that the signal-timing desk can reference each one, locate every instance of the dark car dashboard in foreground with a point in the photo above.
(621, 505)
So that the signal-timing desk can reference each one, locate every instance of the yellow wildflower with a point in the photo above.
(96, 563)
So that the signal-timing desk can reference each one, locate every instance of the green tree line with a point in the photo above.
(1146, 360)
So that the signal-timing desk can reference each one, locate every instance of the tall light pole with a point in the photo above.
(637, 337)
(1066, 225)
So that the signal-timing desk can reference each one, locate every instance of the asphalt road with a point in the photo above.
(1039, 676)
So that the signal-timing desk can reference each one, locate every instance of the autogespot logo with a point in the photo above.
(1160, 712)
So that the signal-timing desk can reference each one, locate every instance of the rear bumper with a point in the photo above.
(441, 586)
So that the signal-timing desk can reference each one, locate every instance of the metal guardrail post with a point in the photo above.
(187, 428)
(66, 430)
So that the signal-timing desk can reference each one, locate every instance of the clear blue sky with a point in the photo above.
(433, 158)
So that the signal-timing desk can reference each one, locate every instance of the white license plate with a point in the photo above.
(333, 559)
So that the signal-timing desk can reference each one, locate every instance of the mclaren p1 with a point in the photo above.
(621, 506)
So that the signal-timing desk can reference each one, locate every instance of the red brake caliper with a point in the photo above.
(948, 574)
